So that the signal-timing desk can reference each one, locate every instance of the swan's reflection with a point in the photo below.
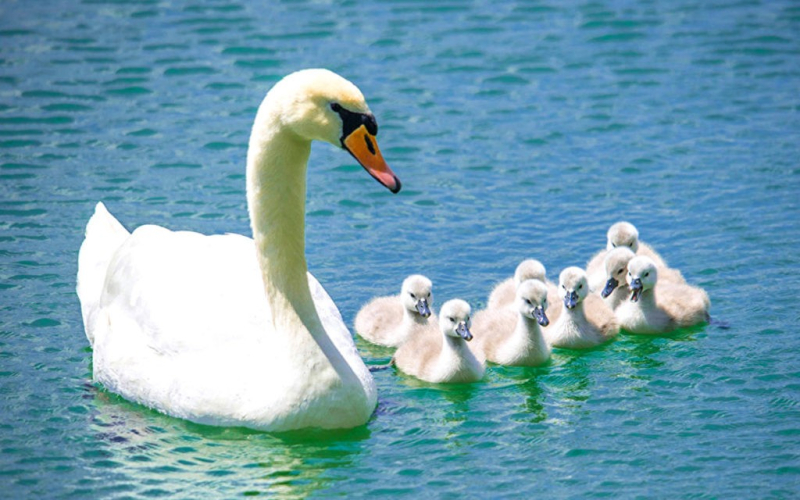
(153, 453)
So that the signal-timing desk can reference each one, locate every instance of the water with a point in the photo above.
(518, 130)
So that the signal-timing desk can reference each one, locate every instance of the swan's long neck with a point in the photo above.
(276, 193)
(527, 332)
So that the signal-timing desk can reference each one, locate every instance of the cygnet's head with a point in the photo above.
(642, 276)
(573, 286)
(317, 104)
(623, 234)
(529, 269)
(532, 301)
(416, 295)
(454, 319)
(616, 264)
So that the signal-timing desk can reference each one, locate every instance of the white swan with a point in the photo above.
(616, 290)
(621, 234)
(586, 320)
(444, 356)
(225, 330)
(504, 294)
(513, 337)
(656, 307)
(390, 321)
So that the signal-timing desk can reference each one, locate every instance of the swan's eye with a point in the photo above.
(429, 295)
(646, 275)
(527, 301)
(620, 271)
(412, 295)
(613, 245)
(452, 320)
(580, 286)
(336, 106)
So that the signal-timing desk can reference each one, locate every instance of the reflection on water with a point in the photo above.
(167, 455)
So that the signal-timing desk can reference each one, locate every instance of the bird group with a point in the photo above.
(625, 287)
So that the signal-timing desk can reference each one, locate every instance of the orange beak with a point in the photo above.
(364, 148)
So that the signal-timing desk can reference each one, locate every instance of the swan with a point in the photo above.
(586, 320)
(656, 307)
(621, 234)
(504, 294)
(231, 331)
(389, 321)
(512, 337)
(443, 356)
(616, 289)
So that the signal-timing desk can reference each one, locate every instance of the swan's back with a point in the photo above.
(686, 305)
(418, 355)
(491, 327)
(600, 317)
(378, 315)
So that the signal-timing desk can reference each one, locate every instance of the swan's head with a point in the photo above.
(642, 276)
(573, 286)
(320, 105)
(454, 319)
(416, 295)
(529, 269)
(532, 301)
(616, 264)
(623, 234)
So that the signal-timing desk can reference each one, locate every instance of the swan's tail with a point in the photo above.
(104, 234)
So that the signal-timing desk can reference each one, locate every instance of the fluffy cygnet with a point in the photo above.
(511, 336)
(445, 356)
(656, 307)
(390, 321)
(586, 320)
(529, 269)
(621, 234)
(616, 288)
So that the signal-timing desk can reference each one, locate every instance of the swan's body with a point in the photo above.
(504, 294)
(225, 330)
(623, 234)
(512, 336)
(616, 290)
(586, 321)
(443, 356)
(390, 321)
(659, 308)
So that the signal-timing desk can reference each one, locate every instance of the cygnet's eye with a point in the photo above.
(527, 301)
(429, 295)
(336, 106)
(412, 295)
(452, 320)
(613, 245)
(646, 275)
(620, 271)
(580, 286)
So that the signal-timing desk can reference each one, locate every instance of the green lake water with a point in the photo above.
(519, 129)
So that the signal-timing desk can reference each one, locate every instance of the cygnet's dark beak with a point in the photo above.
(636, 289)
(541, 317)
(422, 308)
(611, 284)
(463, 331)
(571, 300)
